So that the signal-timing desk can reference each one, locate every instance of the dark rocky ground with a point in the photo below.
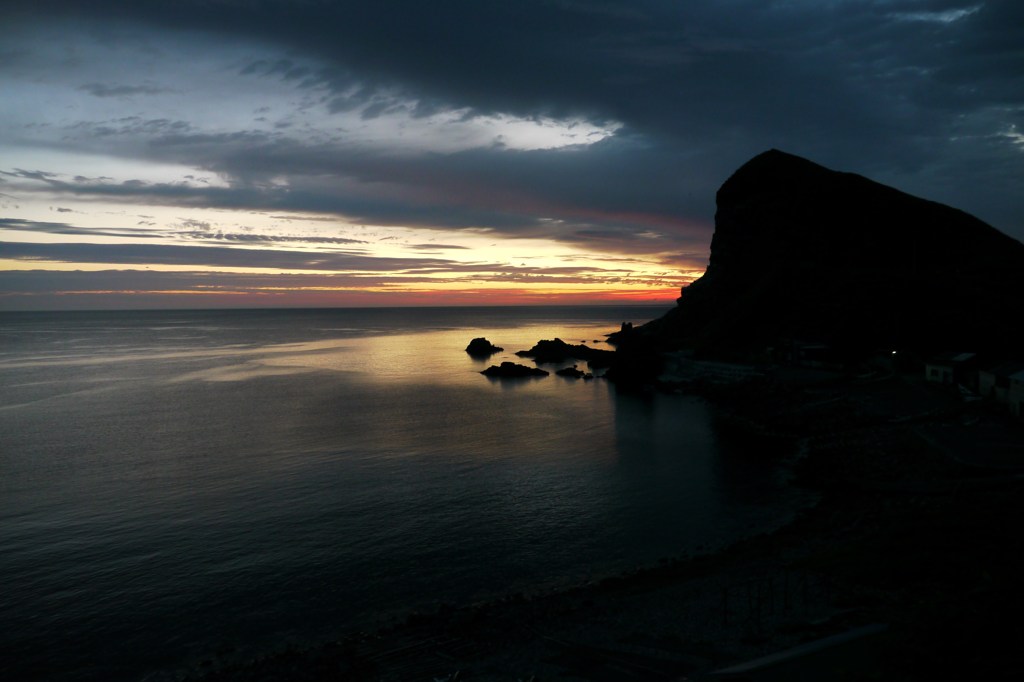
(917, 527)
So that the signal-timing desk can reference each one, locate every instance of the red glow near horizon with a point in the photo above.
(329, 299)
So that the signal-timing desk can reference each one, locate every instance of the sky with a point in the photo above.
(266, 153)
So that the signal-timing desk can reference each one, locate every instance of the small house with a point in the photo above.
(994, 383)
(952, 368)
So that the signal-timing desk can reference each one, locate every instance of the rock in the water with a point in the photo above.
(482, 348)
(556, 350)
(548, 350)
(510, 370)
(574, 373)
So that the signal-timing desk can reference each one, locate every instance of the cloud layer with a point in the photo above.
(591, 124)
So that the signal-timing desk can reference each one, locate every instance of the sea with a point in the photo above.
(180, 487)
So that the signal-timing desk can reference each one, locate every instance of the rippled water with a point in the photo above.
(180, 485)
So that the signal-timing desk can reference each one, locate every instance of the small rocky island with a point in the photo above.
(511, 370)
(574, 373)
(556, 350)
(548, 351)
(482, 348)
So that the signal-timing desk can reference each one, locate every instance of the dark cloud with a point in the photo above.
(41, 176)
(213, 256)
(435, 247)
(919, 92)
(107, 90)
(194, 230)
(249, 238)
(66, 229)
(193, 224)
(125, 127)
(465, 190)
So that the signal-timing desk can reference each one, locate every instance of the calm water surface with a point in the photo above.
(183, 485)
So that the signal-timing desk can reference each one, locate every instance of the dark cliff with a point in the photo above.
(801, 252)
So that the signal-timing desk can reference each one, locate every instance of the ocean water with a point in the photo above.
(183, 485)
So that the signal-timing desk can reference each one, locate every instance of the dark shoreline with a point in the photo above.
(904, 535)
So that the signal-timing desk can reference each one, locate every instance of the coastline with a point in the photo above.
(904, 535)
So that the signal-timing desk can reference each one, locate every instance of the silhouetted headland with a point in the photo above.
(802, 253)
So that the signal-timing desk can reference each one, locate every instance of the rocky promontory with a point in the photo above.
(801, 252)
